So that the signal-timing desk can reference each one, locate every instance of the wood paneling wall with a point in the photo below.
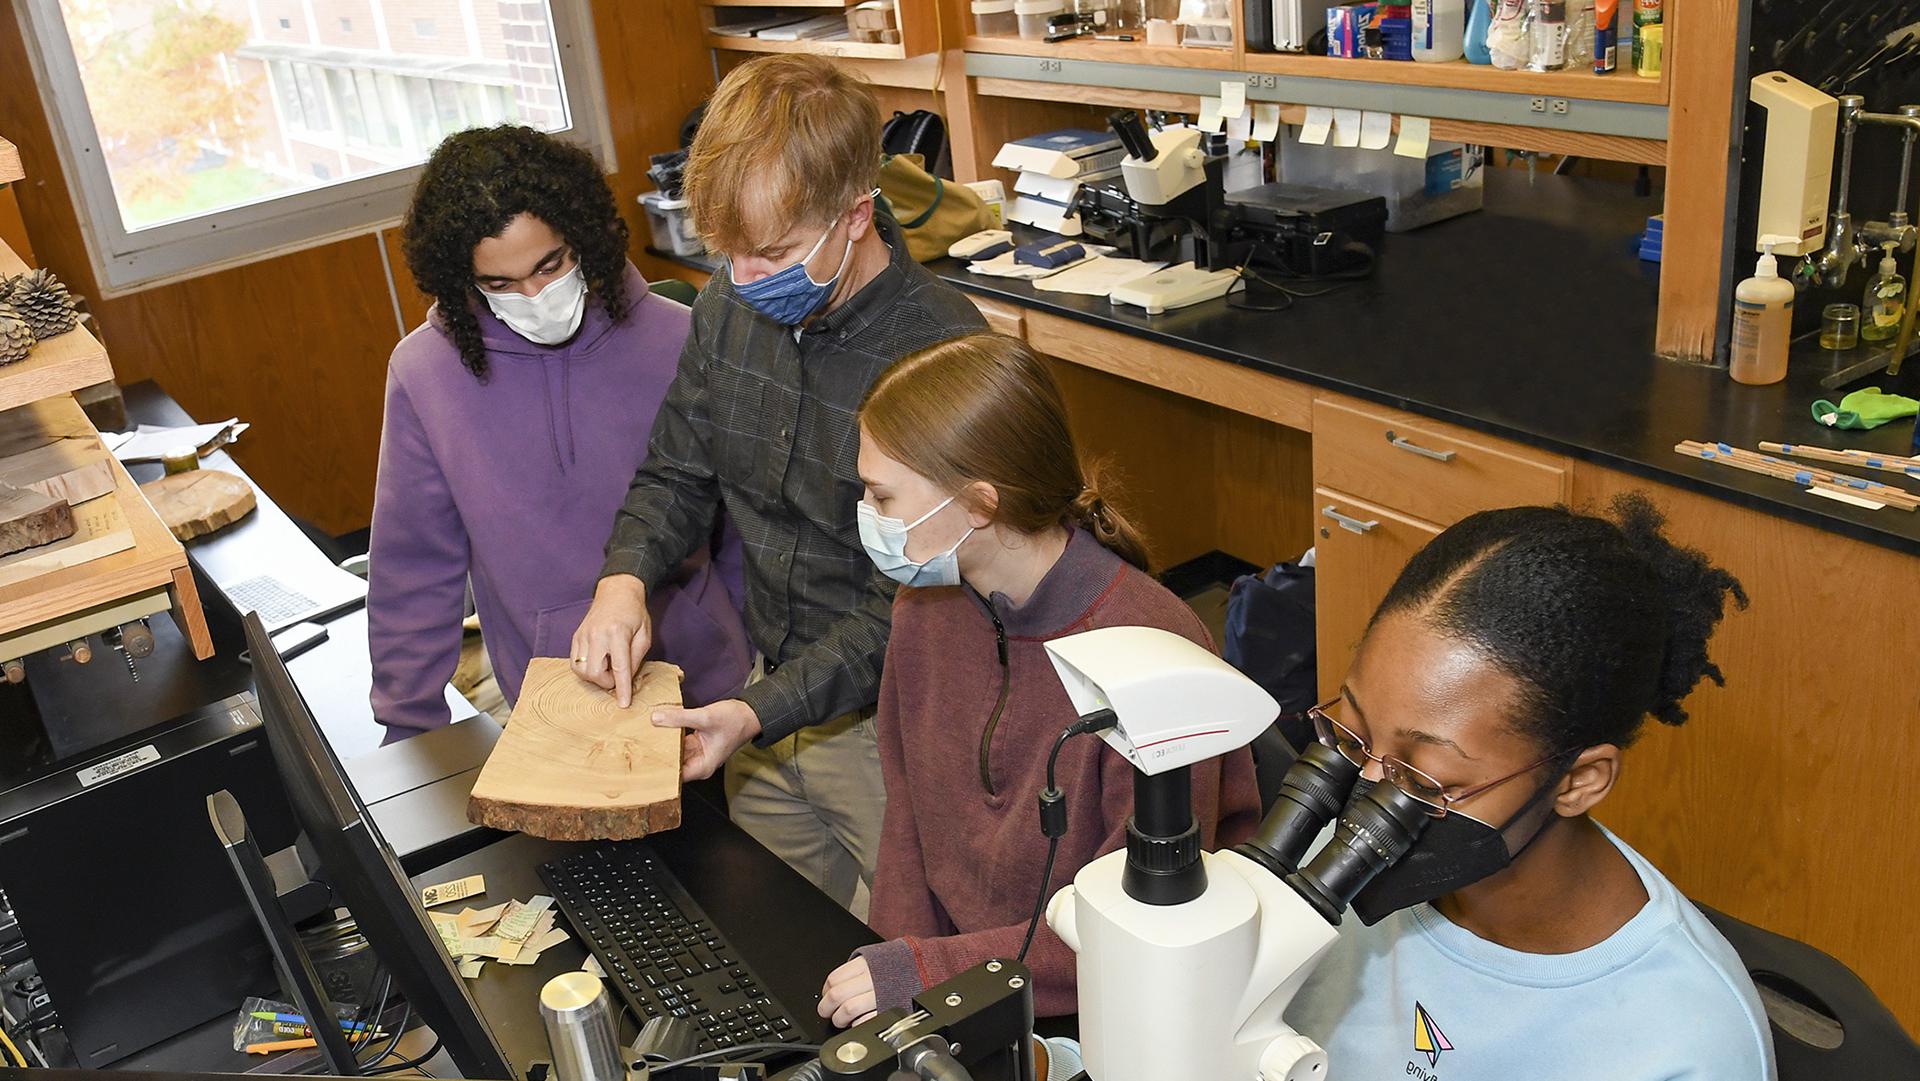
(298, 344)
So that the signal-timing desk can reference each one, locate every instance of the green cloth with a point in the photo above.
(1864, 408)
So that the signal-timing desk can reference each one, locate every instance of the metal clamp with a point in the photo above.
(1405, 444)
(1351, 525)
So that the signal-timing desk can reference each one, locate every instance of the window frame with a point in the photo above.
(126, 262)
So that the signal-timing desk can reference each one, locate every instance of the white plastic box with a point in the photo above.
(671, 224)
(1451, 181)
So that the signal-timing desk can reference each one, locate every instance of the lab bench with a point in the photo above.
(1501, 359)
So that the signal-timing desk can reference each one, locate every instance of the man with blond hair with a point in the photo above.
(817, 298)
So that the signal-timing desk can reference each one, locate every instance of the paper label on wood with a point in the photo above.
(573, 766)
(101, 529)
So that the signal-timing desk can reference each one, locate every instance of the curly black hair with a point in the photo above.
(479, 180)
(1602, 621)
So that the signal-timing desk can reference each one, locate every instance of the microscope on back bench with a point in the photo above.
(1171, 203)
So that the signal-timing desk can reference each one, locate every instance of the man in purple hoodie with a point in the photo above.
(515, 419)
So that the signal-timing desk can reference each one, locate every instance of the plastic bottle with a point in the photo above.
(1885, 303)
(1762, 322)
(1479, 18)
(1439, 30)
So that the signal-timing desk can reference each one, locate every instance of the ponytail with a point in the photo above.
(1092, 512)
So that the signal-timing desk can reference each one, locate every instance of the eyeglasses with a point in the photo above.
(1399, 773)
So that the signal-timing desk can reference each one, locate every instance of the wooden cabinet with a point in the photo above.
(1359, 548)
(1427, 468)
(1385, 483)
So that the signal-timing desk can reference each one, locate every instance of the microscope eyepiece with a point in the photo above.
(1314, 790)
(1374, 830)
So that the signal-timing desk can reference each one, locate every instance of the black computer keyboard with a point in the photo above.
(660, 950)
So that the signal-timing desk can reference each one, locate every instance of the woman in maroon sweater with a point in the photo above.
(977, 500)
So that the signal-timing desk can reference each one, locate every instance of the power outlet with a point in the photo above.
(1561, 106)
(1538, 105)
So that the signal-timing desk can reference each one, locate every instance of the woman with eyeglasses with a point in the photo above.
(515, 417)
(1499, 682)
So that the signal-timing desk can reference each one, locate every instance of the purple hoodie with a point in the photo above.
(512, 482)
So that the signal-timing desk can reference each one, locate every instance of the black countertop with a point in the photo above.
(1532, 320)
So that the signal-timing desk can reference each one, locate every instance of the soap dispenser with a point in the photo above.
(1885, 302)
(1762, 321)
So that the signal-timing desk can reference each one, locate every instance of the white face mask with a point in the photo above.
(548, 317)
(885, 540)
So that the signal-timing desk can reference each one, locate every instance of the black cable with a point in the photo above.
(410, 1064)
(705, 1056)
(393, 1041)
(1053, 814)
(367, 1024)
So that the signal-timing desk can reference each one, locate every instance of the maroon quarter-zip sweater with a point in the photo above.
(969, 707)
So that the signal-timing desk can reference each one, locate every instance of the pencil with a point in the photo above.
(1892, 497)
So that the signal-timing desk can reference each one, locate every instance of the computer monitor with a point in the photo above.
(362, 869)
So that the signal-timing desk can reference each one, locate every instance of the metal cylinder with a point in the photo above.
(581, 1029)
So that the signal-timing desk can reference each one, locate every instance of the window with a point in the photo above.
(271, 144)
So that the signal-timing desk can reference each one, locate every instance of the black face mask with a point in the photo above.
(1452, 853)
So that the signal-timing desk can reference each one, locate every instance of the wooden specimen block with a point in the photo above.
(100, 529)
(36, 424)
(573, 766)
(29, 519)
(75, 470)
(200, 501)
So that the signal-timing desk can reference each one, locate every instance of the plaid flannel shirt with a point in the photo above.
(762, 421)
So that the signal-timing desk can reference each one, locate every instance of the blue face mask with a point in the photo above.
(790, 295)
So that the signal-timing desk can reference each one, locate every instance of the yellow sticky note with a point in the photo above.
(1415, 133)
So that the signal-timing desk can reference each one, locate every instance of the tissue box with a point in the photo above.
(1346, 30)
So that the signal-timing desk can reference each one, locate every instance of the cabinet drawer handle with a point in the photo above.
(1406, 444)
(1351, 525)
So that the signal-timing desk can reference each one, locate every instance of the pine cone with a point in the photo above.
(43, 301)
(16, 336)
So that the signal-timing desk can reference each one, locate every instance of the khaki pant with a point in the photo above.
(815, 799)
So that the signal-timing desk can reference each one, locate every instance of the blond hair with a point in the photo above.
(787, 140)
(985, 408)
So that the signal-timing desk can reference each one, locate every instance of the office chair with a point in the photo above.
(1826, 1023)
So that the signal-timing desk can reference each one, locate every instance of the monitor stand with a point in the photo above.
(290, 959)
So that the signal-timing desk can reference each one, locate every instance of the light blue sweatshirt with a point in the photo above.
(1664, 998)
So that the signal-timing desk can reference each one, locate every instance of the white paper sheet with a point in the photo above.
(1319, 123)
(1233, 98)
(1210, 118)
(1096, 277)
(1346, 127)
(1240, 128)
(1415, 133)
(151, 442)
(1266, 121)
(1376, 130)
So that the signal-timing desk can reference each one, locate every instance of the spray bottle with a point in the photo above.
(1762, 320)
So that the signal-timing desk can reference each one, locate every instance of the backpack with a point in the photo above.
(919, 132)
